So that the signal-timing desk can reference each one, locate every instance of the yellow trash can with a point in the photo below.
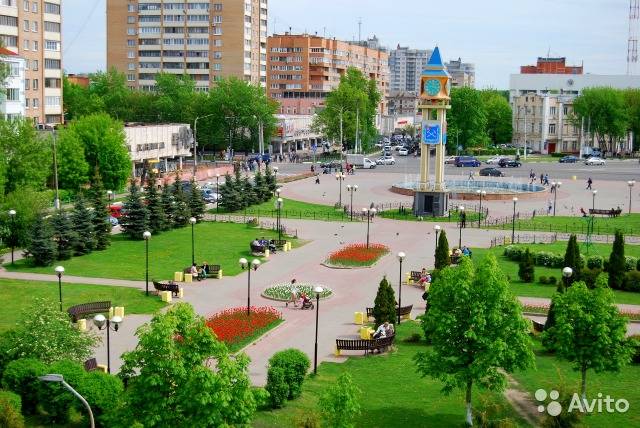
(111, 312)
(177, 276)
(119, 311)
(365, 333)
(266, 253)
(188, 277)
(574, 178)
(219, 274)
(181, 293)
(102, 368)
(166, 296)
(82, 324)
(336, 352)
(359, 318)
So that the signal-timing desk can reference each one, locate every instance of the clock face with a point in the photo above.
(432, 87)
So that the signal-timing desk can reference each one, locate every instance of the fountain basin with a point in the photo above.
(466, 189)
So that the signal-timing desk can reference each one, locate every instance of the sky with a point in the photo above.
(497, 35)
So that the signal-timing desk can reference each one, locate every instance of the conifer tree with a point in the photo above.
(82, 223)
(526, 267)
(63, 235)
(168, 206)
(155, 207)
(135, 218)
(260, 187)
(41, 246)
(573, 260)
(238, 186)
(101, 214)
(270, 180)
(616, 267)
(249, 192)
(384, 308)
(181, 212)
(197, 207)
(443, 259)
(229, 195)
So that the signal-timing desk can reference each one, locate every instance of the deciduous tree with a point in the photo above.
(605, 109)
(467, 120)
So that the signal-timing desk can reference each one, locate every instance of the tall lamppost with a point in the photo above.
(279, 203)
(630, 183)
(401, 257)
(340, 177)
(318, 290)
(461, 209)
(437, 229)
(195, 141)
(193, 222)
(109, 197)
(555, 186)
(567, 272)
(352, 189)
(369, 212)
(275, 176)
(102, 323)
(480, 193)
(59, 271)
(146, 236)
(595, 192)
(513, 221)
(217, 192)
(59, 378)
(12, 216)
(244, 264)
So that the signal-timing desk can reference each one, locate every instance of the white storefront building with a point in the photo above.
(163, 146)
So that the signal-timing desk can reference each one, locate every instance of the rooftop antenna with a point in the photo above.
(632, 47)
(359, 29)
(324, 32)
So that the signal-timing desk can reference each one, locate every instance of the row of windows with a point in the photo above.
(178, 65)
(28, 84)
(179, 54)
(174, 6)
(9, 41)
(286, 67)
(10, 21)
(287, 77)
(34, 6)
(285, 50)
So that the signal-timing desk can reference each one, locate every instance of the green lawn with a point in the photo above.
(407, 214)
(552, 373)
(17, 295)
(394, 395)
(544, 290)
(217, 243)
(628, 223)
(294, 210)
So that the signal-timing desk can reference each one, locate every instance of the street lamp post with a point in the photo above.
(513, 221)
(567, 272)
(555, 186)
(217, 193)
(369, 212)
(102, 323)
(437, 229)
(146, 235)
(461, 209)
(279, 203)
(340, 177)
(630, 183)
(318, 290)
(109, 196)
(401, 257)
(480, 193)
(275, 176)
(595, 192)
(193, 222)
(244, 264)
(352, 189)
(12, 216)
(59, 378)
(59, 271)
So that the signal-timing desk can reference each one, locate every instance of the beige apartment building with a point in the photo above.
(207, 40)
(303, 69)
(31, 29)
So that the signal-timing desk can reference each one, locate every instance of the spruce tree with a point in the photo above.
(63, 235)
(181, 212)
(616, 267)
(101, 214)
(197, 206)
(270, 180)
(249, 192)
(155, 207)
(228, 195)
(82, 223)
(526, 268)
(135, 218)
(260, 187)
(384, 308)
(573, 260)
(443, 259)
(168, 206)
(238, 186)
(41, 246)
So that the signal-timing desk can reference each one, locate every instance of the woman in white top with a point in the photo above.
(294, 294)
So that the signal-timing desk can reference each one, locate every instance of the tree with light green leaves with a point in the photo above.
(499, 126)
(340, 403)
(605, 110)
(206, 386)
(467, 120)
(476, 328)
(73, 168)
(589, 330)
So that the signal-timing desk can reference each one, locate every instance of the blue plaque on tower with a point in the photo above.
(431, 133)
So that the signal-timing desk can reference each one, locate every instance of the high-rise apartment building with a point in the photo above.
(463, 74)
(303, 69)
(405, 68)
(31, 28)
(207, 40)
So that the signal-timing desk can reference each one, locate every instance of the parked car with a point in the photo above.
(450, 160)
(595, 161)
(403, 152)
(494, 160)
(568, 159)
(491, 172)
(386, 148)
(210, 196)
(386, 160)
(333, 164)
(467, 161)
(509, 163)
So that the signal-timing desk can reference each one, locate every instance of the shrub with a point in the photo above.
(630, 263)
(616, 267)
(526, 270)
(595, 262)
(384, 308)
(638, 265)
(277, 387)
(513, 253)
(21, 377)
(295, 365)
(55, 399)
(553, 280)
(543, 280)
(103, 391)
(635, 343)
(632, 281)
(544, 258)
(589, 276)
(339, 404)
(10, 410)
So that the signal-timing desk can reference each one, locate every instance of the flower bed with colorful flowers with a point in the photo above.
(282, 292)
(235, 328)
(357, 255)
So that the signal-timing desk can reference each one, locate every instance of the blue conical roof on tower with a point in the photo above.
(434, 66)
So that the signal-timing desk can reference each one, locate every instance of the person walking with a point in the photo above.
(293, 297)
(589, 183)
(463, 219)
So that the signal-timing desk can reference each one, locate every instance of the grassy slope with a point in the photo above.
(217, 243)
(629, 224)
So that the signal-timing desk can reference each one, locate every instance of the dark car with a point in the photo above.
(568, 159)
(509, 163)
(491, 172)
(334, 164)
(467, 161)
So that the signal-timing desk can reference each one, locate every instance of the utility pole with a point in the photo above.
(357, 129)
(56, 202)
(525, 132)
(261, 137)
(581, 138)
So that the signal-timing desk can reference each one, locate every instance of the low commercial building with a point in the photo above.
(13, 101)
(163, 146)
(294, 134)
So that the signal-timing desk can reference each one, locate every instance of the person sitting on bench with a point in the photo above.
(381, 331)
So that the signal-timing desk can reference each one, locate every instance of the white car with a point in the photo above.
(403, 152)
(494, 160)
(594, 161)
(387, 160)
(450, 160)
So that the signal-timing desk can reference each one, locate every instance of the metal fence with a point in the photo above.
(577, 227)
(499, 241)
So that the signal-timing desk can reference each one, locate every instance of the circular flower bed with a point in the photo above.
(234, 327)
(357, 255)
(282, 292)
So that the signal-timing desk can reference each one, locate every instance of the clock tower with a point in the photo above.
(431, 197)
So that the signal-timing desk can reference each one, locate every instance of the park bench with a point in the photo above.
(76, 312)
(364, 345)
(279, 244)
(415, 276)
(610, 213)
(167, 286)
(214, 271)
(537, 326)
(404, 311)
(91, 364)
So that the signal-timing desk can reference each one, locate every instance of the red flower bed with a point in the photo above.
(358, 255)
(233, 326)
